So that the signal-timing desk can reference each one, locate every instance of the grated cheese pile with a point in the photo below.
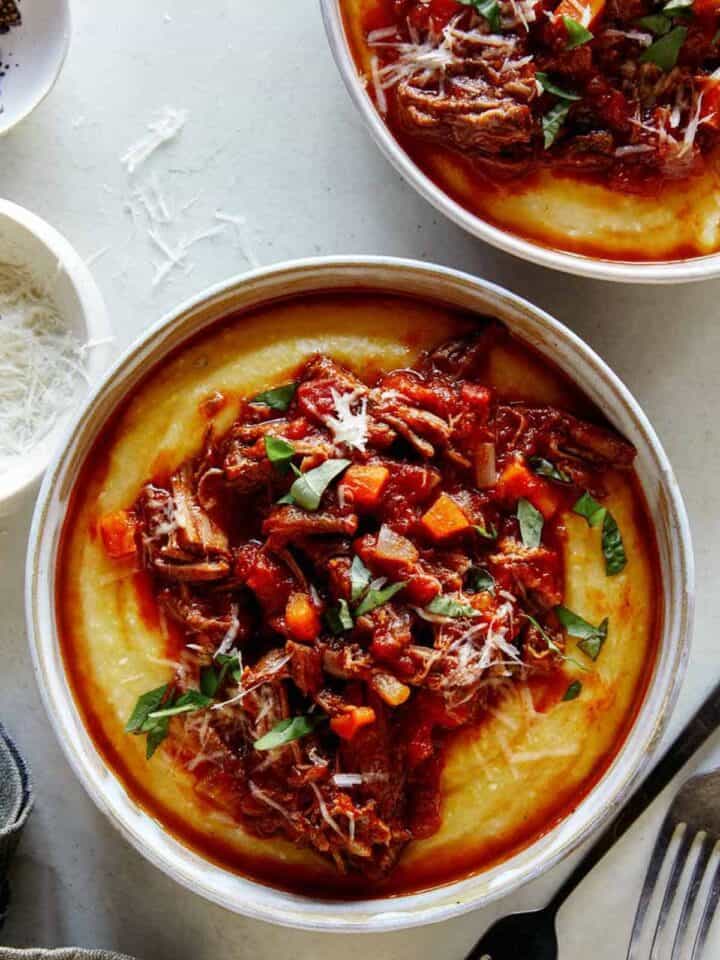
(41, 365)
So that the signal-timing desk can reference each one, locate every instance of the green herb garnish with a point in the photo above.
(531, 523)
(308, 489)
(279, 452)
(591, 638)
(447, 607)
(552, 121)
(279, 398)
(573, 691)
(487, 533)
(141, 721)
(544, 468)
(548, 86)
(613, 547)
(211, 678)
(489, 9)
(376, 598)
(188, 702)
(339, 619)
(360, 578)
(577, 33)
(552, 646)
(293, 728)
(656, 23)
(675, 7)
(664, 52)
(480, 580)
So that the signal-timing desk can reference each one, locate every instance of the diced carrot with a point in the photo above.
(365, 484)
(584, 12)
(444, 519)
(517, 481)
(118, 534)
(482, 601)
(389, 688)
(347, 725)
(302, 618)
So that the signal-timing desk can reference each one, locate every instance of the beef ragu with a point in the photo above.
(627, 91)
(357, 572)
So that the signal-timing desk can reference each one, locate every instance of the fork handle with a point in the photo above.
(693, 736)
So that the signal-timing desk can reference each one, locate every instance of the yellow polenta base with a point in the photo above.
(520, 766)
(562, 211)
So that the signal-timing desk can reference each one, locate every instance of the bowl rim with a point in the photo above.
(52, 80)
(619, 271)
(249, 897)
(95, 319)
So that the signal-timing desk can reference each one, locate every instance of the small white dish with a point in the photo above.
(27, 241)
(31, 58)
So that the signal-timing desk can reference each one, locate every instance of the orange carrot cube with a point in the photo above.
(444, 519)
(302, 618)
(517, 481)
(364, 485)
(118, 534)
(348, 724)
(584, 12)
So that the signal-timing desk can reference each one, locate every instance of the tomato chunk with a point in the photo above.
(517, 481)
(364, 485)
(302, 618)
(347, 725)
(444, 519)
(118, 534)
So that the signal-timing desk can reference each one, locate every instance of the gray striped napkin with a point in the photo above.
(16, 802)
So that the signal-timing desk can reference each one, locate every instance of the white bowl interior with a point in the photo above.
(623, 271)
(33, 54)
(665, 504)
(26, 240)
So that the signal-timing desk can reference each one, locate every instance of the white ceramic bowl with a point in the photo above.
(26, 240)
(665, 504)
(35, 53)
(624, 271)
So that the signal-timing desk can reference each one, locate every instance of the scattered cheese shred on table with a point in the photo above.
(41, 365)
(164, 127)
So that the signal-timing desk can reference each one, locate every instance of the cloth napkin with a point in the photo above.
(16, 802)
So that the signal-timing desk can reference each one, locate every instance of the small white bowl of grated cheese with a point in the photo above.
(54, 342)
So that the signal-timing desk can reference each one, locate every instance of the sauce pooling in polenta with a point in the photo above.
(358, 594)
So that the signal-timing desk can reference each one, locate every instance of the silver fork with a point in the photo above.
(687, 858)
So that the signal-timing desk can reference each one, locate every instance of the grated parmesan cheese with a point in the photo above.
(349, 428)
(163, 128)
(41, 365)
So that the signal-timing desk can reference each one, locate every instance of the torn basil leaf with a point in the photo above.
(531, 523)
(155, 737)
(308, 489)
(544, 468)
(547, 86)
(656, 23)
(360, 578)
(480, 580)
(552, 646)
(591, 638)
(489, 9)
(188, 702)
(146, 704)
(212, 678)
(279, 452)
(279, 398)
(552, 121)
(573, 691)
(675, 7)
(448, 607)
(665, 50)
(577, 33)
(376, 598)
(292, 728)
(613, 547)
(339, 619)
(487, 533)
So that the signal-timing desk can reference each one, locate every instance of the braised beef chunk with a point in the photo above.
(578, 86)
(351, 581)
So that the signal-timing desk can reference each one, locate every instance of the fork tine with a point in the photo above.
(653, 871)
(703, 857)
(708, 913)
(671, 889)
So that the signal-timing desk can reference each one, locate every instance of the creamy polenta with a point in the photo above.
(559, 705)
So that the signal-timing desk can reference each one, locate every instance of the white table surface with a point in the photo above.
(271, 135)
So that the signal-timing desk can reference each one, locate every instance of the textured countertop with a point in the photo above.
(271, 136)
